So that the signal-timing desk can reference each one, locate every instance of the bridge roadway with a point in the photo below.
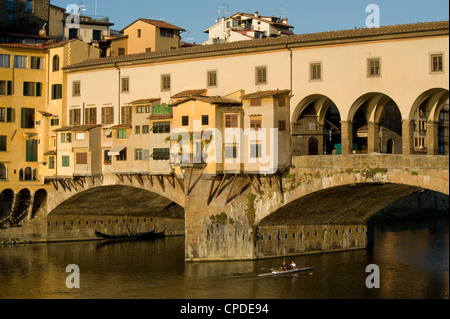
(322, 203)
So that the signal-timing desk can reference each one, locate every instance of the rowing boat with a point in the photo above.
(285, 272)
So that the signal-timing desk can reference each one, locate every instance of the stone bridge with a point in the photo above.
(322, 203)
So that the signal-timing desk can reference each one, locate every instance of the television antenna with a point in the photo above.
(281, 12)
(224, 11)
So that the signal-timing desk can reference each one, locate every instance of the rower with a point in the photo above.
(292, 265)
(284, 266)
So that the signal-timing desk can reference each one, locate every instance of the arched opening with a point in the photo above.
(6, 198)
(3, 172)
(40, 199)
(21, 205)
(55, 63)
(316, 127)
(376, 119)
(28, 176)
(390, 147)
(429, 117)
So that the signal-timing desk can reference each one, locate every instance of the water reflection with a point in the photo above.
(413, 259)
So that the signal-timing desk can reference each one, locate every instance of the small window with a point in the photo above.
(122, 155)
(73, 33)
(261, 75)
(138, 154)
(36, 63)
(205, 120)
(231, 120)
(145, 129)
(121, 134)
(282, 126)
(137, 129)
(165, 82)
(373, 67)
(20, 62)
(81, 159)
(255, 150)
(55, 61)
(121, 51)
(281, 101)
(5, 61)
(255, 102)
(256, 124)
(65, 161)
(31, 89)
(139, 33)
(125, 85)
(76, 88)
(437, 63)
(96, 35)
(56, 91)
(6, 87)
(315, 71)
(3, 139)
(212, 78)
(185, 120)
(29, 6)
(51, 162)
(231, 151)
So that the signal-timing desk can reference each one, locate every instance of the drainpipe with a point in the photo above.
(118, 92)
(289, 97)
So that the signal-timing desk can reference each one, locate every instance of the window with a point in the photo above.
(261, 75)
(373, 67)
(185, 120)
(10, 5)
(96, 35)
(231, 120)
(281, 101)
(36, 63)
(20, 62)
(212, 78)
(107, 115)
(79, 136)
(437, 63)
(169, 33)
(137, 130)
(6, 114)
(205, 120)
(66, 137)
(51, 162)
(74, 117)
(255, 150)
(6, 87)
(255, 102)
(29, 6)
(27, 117)
(139, 33)
(315, 71)
(31, 88)
(255, 124)
(106, 157)
(161, 127)
(231, 151)
(125, 115)
(73, 33)
(56, 91)
(31, 150)
(145, 129)
(76, 88)
(121, 134)
(125, 85)
(65, 161)
(282, 125)
(5, 61)
(122, 155)
(140, 109)
(81, 159)
(138, 154)
(55, 61)
(3, 143)
(161, 154)
(121, 51)
(165, 82)
(90, 116)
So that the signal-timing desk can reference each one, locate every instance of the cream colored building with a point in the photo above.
(356, 72)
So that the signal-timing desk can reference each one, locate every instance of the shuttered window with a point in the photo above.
(373, 67)
(31, 150)
(125, 116)
(90, 116)
(27, 117)
(2, 143)
(6, 87)
(255, 150)
(65, 161)
(81, 158)
(31, 88)
(165, 82)
(107, 115)
(261, 75)
(56, 91)
(74, 117)
(231, 120)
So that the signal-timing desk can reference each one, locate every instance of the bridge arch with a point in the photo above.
(315, 126)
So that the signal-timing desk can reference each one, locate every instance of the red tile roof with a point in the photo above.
(150, 100)
(157, 23)
(209, 99)
(264, 94)
(189, 93)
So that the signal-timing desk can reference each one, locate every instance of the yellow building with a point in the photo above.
(23, 91)
(145, 35)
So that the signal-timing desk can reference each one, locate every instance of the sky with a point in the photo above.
(305, 16)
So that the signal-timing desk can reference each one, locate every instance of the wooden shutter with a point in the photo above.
(31, 150)
(38, 88)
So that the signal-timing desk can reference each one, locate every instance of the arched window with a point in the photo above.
(55, 63)
(3, 171)
(27, 176)
(35, 174)
(21, 174)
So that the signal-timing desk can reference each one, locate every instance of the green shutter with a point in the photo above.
(8, 114)
(23, 117)
(31, 151)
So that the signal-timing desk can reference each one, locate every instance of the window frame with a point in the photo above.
(314, 75)
(371, 68)
(437, 54)
(261, 75)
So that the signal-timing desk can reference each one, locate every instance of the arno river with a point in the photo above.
(412, 257)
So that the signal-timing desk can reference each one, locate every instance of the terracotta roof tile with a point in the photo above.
(189, 93)
(264, 94)
(76, 128)
(210, 99)
(363, 34)
(141, 101)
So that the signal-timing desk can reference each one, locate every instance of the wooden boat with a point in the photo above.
(285, 272)
(137, 236)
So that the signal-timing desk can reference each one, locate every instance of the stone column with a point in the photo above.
(432, 138)
(31, 205)
(346, 137)
(407, 137)
(372, 137)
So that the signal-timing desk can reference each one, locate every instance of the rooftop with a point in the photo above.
(300, 40)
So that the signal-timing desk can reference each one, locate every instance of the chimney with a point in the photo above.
(256, 14)
(285, 20)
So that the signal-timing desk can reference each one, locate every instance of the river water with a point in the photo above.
(413, 258)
